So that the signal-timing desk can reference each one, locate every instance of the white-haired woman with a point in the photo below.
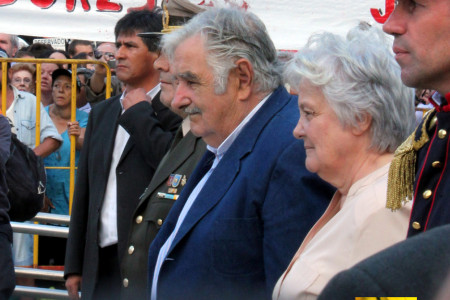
(355, 112)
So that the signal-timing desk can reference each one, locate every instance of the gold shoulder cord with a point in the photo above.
(402, 170)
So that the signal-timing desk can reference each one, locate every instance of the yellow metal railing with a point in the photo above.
(38, 62)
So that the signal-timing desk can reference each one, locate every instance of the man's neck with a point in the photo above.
(147, 83)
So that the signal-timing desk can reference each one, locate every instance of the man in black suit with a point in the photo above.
(125, 139)
(416, 267)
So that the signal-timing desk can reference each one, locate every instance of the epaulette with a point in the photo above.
(402, 170)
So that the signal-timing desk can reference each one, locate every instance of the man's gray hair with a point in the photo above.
(14, 41)
(230, 34)
(358, 75)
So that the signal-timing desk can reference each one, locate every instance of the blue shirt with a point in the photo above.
(58, 180)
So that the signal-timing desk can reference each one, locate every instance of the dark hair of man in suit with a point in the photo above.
(141, 21)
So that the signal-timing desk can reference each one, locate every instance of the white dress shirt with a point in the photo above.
(108, 217)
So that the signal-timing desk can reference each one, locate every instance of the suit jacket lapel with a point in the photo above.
(228, 168)
(112, 113)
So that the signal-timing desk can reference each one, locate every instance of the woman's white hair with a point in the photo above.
(358, 76)
(230, 34)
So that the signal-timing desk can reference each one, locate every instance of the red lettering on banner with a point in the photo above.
(105, 5)
(150, 5)
(70, 5)
(6, 2)
(377, 13)
(43, 3)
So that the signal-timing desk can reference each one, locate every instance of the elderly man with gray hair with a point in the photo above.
(250, 201)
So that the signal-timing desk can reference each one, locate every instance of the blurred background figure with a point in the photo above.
(9, 43)
(47, 70)
(354, 113)
(83, 75)
(80, 46)
(96, 84)
(423, 104)
(22, 76)
(52, 250)
(57, 54)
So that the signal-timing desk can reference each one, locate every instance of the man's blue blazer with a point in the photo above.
(250, 217)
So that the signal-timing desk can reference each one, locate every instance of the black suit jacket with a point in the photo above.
(416, 267)
(151, 132)
(168, 182)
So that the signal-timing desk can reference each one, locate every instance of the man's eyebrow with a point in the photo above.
(189, 76)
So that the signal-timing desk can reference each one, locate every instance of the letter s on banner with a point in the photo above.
(6, 2)
(376, 13)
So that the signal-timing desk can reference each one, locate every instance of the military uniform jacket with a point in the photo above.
(431, 207)
(151, 129)
(167, 183)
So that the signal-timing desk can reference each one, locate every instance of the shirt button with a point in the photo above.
(436, 164)
(139, 219)
(427, 194)
(416, 225)
(125, 282)
(159, 222)
(442, 134)
(131, 249)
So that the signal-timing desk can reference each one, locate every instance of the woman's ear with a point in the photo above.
(363, 124)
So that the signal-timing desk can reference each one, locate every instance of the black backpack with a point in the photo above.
(26, 179)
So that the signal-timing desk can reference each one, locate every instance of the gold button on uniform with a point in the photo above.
(427, 194)
(139, 219)
(131, 249)
(416, 225)
(159, 222)
(442, 134)
(125, 282)
(436, 164)
(432, 123)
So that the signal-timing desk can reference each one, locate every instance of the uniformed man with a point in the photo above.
(421, 33)
(170, 177)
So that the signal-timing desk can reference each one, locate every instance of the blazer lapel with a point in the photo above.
(228, 168)
(113, 114)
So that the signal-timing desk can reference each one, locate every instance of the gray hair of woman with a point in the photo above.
(358, 76)
(230, 34)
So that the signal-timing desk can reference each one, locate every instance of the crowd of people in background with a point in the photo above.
(203, 177)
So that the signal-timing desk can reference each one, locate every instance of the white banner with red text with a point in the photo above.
(289, 22)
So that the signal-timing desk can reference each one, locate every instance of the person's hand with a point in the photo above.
(100, 69)
(134, 96)
(73, 128)
(73, 285)
(47, 204)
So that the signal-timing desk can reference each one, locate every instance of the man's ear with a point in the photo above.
(244, 72)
